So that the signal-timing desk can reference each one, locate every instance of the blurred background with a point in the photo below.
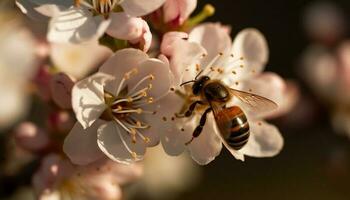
(315, 160)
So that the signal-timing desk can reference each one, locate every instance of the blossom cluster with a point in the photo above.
(110, 80)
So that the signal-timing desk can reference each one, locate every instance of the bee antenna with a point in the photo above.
(198, 74)
(187, 82)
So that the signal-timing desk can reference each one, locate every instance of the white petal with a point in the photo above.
(213, 37)
(265, 140)
(207, 146)
(78, 60)
(117, 144)
(125, 27)
(121, 62)
(80, 144)
(252, 46)
(169, 127)
(161, 81)
(41, 10)
(140, 8)
(88, 98)
(76, 25)
(184, 59)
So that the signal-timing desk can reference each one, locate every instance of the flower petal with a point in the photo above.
(213, 37)
(140, 8)
(180, 9)
(265, 140)
(76, 25)
(117, 144)
(161, 78)
(251, 45)
(88, 98)
(78, 60)
(121, 62)
(207, 146)
(41, 10)
(169, 39)
(125, 27)
(80, 144)
(184, 59)
(169, 127)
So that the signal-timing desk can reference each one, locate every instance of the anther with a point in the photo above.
(150, 86)
(182, 129)
(197, 67)
(241, 66)
(146, 139)
(164, 119)
(139, 111)
(241, 58)
(234, 72)
(152, 77)
(150, 100)
(232, 55)
(133, 154)
(221, 53)
(237, 83)
(172, 89)
(130, 99)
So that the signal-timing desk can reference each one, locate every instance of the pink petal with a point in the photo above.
(87, 150)
(117, 144)
(30, 137)
(169, 39)
(181, 9)
(265, 140)
(145, 39)
(61, 88)
(125, 27)
(140, 8)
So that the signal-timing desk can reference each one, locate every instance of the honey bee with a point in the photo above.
(231, 121)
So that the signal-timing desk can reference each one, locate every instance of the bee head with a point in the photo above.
(198, 84)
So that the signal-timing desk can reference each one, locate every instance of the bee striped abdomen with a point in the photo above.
(239, 131)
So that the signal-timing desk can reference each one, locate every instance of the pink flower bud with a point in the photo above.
(29, 137)
(42, 80)
(178, 11)
(61, 121)
(61, 87)
(145, 39)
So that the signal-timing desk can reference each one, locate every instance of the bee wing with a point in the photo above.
(223, 117)
(254, 102)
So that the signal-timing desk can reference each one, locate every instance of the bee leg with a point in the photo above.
(189, 111)
(199, 128)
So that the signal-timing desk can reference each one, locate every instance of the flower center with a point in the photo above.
(126, 107)
(99, 7)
